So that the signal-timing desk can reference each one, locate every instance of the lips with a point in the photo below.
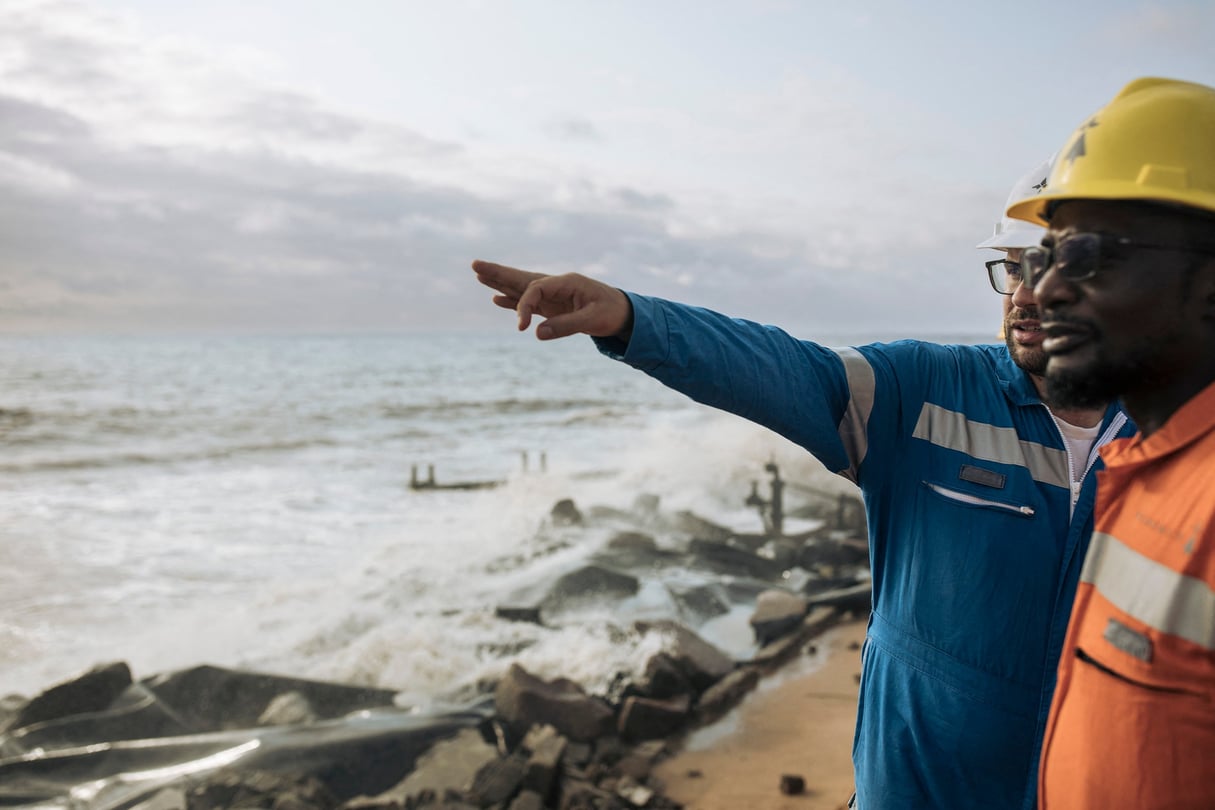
(1061, 337)
(1026, 330)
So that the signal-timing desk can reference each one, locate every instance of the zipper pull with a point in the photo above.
(1025, 510)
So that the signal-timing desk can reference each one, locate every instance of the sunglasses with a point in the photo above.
(1078, 257)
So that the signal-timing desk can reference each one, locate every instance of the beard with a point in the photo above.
(1144, 365)
(1071, 388)
(1030, 359)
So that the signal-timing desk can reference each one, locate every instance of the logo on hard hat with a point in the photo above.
(1077, 149)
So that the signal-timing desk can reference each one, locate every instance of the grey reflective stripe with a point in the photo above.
(854, 426)
(951, 429)
(1158, 596)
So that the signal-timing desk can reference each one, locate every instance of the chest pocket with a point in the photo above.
(983, 488)
(1151, 627)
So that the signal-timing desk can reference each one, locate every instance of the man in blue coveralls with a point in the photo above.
(979, 497)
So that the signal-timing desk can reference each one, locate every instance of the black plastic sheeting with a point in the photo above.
(177, 728)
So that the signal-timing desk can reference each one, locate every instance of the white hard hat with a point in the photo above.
(1016, 233)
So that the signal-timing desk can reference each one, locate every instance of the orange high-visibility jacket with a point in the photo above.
(1132, 724)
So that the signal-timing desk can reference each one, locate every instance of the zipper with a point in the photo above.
(974, 500)
(1093, 454)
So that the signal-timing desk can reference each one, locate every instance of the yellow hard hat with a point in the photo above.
(1154, 142)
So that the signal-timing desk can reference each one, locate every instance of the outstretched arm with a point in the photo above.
(571, 304)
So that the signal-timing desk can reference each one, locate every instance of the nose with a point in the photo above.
(1052, 290)
(1022, 297)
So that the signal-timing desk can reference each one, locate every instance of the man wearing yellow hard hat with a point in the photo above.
(1125, 285)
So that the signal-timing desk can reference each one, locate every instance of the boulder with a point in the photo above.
(545, 749)
(776, 613)
(498, 780)
(724, 695)
(565, 513)
(523, 700)
(699, 661)
(726, 558)
(664, 678)
(700, 602)
(590, 582)
(649, 719)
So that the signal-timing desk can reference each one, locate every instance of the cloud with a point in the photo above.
(574, 129)
(145, 185)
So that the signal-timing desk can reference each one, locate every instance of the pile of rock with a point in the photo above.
(209, 737)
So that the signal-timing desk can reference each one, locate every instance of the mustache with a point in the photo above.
(1056, 317)
(1024, 314)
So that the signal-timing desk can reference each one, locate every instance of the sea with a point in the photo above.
(246, 502)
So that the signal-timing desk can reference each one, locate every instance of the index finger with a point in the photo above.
(510, 281)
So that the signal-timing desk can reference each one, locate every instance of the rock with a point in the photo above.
(699, 661)
(856, 599)
(288, 709)
(238, 788)
(565, 513)
(726, 693)
(453, 762)
(632, 541)
(776, 613)
(648, 719)
(663, 678)
(634, 550)
(701, 601)
(519, 614)
(527, 800)
(590, 582)
(633, 793)
(543, 766)
(497, 780)
(792, 784)
(722, 557)
(93, 691)
(778, 652)
(579, 795)
(697, 527)
(638, 763)
(834, 550)
(523, 700)
(578, 753)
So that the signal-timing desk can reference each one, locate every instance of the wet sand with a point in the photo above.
(799, 721)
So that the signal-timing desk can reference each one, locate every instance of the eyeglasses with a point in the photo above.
(1078, 257)
(1004, 275)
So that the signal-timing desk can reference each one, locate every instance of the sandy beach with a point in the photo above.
(799, 721)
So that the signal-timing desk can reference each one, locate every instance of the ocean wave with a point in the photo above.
(152, 459)
(511, 406)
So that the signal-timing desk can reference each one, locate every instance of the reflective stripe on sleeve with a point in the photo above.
(950, 429)
(1163, 599)
(854, 425)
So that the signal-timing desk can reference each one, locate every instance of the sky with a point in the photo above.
(242, 166)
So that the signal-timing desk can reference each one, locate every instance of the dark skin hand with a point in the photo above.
(570, 304)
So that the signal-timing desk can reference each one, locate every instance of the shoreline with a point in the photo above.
(799, 721)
